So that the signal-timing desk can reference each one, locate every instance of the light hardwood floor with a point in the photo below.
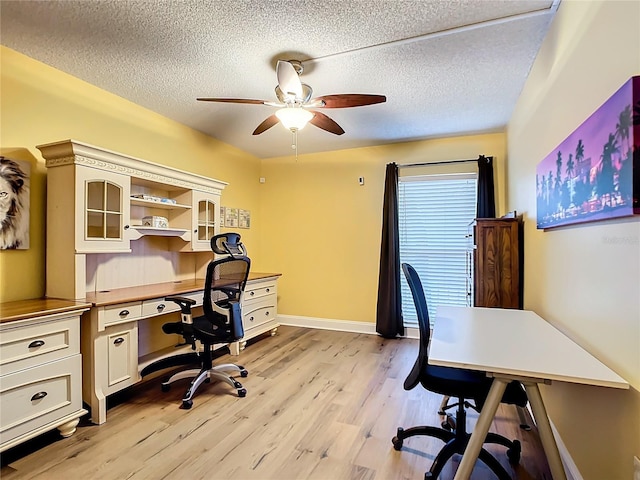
(320, 405)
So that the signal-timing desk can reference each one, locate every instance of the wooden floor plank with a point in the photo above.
(320, 405)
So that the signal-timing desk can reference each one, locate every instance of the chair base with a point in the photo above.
(205, 375)
(456, 443)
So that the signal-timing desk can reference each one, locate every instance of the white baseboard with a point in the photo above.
(570, 467)
(337, 325)
(327, 324)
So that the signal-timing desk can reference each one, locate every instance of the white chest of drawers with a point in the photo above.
(259, 310)
(40, 369)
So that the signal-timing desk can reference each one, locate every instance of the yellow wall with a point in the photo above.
(584, 279)
(42, 105)
(322, 230)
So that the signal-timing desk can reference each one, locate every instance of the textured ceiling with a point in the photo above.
(446, 67)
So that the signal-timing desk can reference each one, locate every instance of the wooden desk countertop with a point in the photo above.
(156, 290)
(38, 307)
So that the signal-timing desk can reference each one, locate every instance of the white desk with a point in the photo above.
(513, 345)
(110, 333)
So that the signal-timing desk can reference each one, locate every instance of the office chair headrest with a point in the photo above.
(228, 243)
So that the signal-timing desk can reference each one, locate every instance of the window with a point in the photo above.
(435, 213)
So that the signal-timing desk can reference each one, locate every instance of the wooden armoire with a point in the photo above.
(498, 262)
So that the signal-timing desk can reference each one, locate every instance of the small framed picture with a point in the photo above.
(244, 218)
(230, 217)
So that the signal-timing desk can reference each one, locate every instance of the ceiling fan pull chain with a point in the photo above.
(294, 141)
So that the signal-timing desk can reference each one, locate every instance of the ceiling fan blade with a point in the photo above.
(346, 100)
(266, 125)
(233, 100)
(320, 120)
(288, 79)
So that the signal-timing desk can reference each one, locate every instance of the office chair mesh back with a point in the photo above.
(228, 277)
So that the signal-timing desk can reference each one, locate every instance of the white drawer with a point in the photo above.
(254, 316)
(158, 306)
(38, 343)
(254, 293)
(122, 312)
(32, 398)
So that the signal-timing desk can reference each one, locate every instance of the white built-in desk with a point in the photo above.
(513, 344)
(110, 331)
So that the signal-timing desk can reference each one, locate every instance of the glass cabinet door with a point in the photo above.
(206, 220)
(104, 210)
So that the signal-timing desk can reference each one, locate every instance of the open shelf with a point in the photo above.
(162, 205)
(137, 231)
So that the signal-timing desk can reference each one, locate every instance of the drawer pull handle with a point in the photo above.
(38, 396)
(251, 319)
(266, 313)
(268, 290)
(118, 341)
(252, 293)
(161, 307)
(124, 313)
(36, 344)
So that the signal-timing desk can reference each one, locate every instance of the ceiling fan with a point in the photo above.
(296, 107)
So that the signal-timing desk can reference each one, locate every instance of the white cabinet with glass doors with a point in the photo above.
(99, 201)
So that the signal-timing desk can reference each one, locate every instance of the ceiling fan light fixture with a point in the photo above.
(295, 118)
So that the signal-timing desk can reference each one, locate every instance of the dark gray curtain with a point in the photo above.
(389, 311)
(486, 190)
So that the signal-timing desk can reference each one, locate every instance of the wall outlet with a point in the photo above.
(636, 468)
(361, 180)
(262, 180)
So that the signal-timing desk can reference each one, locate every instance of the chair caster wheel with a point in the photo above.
(397, 443)
(513, 454)
(187, 404)
(244, 373)
(165, 387)
(242, 392)
(428, 476)
(398, 440)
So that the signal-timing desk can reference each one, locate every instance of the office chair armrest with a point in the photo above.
(185, 303)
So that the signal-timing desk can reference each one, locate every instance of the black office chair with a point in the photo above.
(221, 323)
(464, 385)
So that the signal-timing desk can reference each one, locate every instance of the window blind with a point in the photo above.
(435, 216)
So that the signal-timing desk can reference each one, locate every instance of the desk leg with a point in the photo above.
(544, 429)
(481, 429)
